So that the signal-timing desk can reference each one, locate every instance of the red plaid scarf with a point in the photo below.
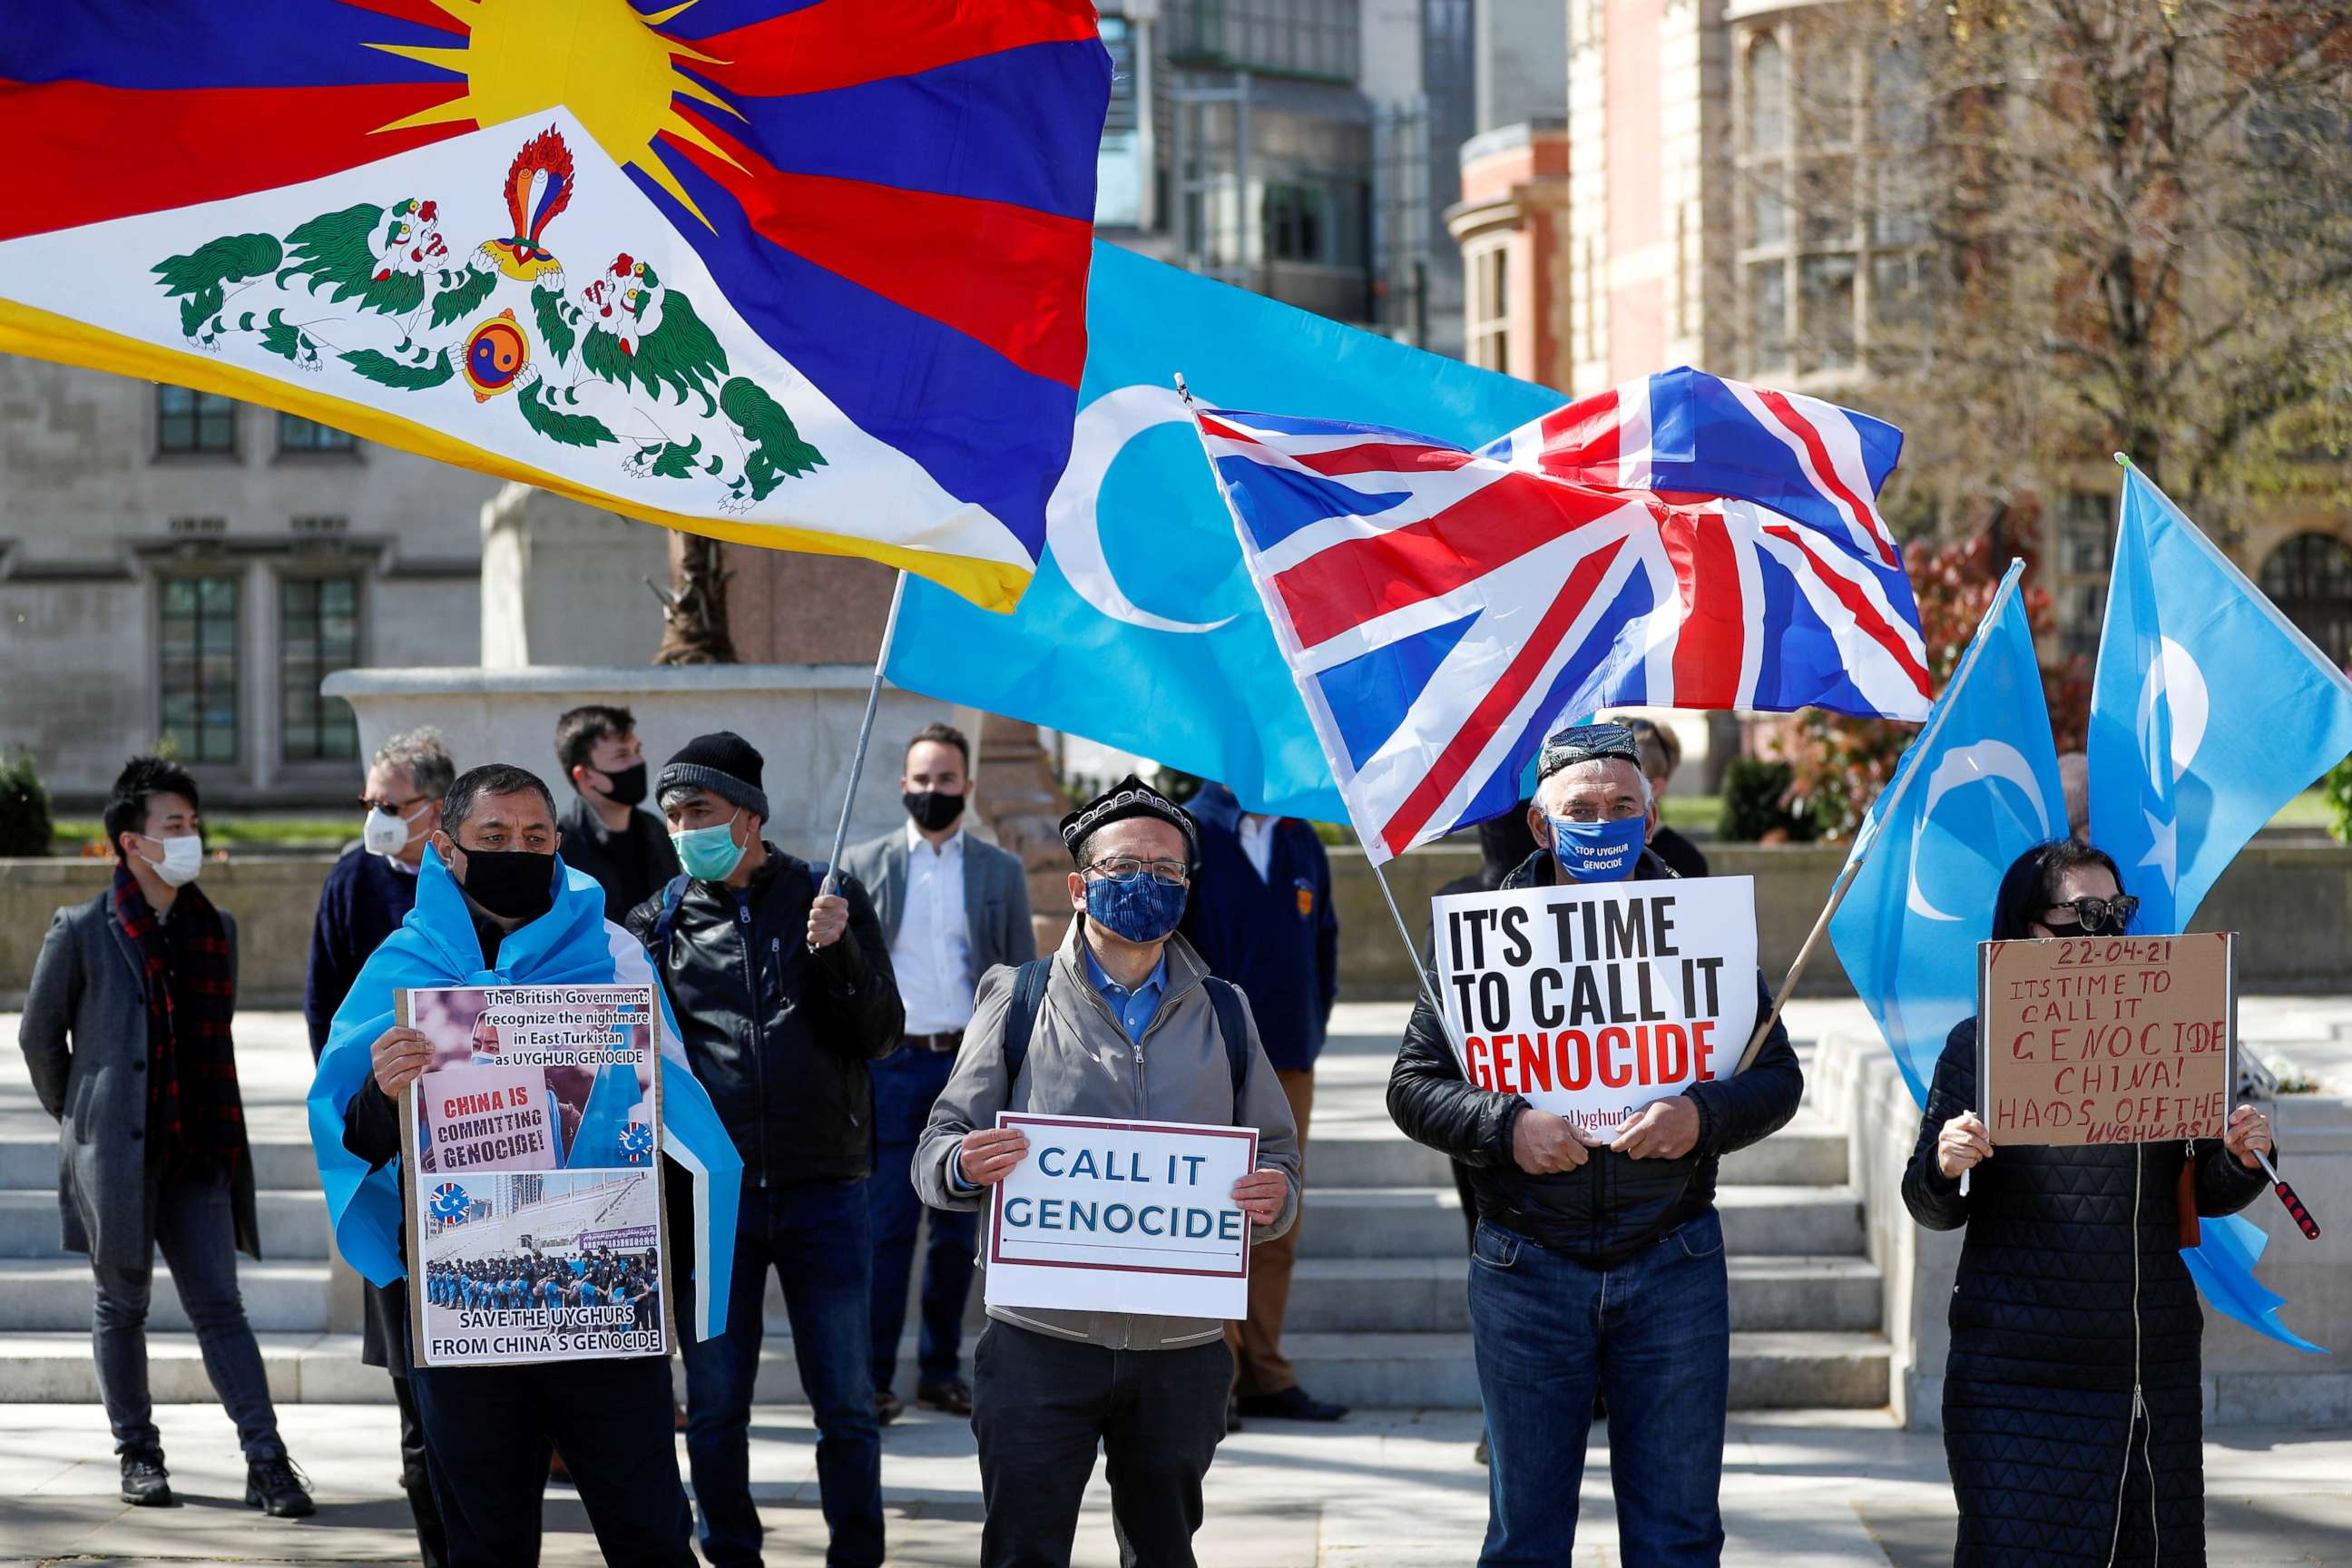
(195, 1114)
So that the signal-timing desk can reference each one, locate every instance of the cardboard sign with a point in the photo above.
(1123, 1216)
(532, 1150)
(2121, 1039)
(1593, 1001)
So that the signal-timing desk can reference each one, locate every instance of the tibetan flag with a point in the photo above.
(807, 274)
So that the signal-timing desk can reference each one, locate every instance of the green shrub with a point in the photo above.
(25, 819)
(1755, 802)
(2336, 789)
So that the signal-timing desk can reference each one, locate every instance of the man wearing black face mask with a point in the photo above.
(605, 834)
(953, 907)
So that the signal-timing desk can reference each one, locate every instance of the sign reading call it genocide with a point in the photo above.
(2107, 1039)
(1123, 1216)
(1594, 1001)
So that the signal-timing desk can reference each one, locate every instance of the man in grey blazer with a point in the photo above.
(953, 907)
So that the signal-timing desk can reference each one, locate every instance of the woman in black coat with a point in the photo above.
(2071, 1413)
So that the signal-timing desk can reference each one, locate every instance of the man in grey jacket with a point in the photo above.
(953, 907)
(1050, 1386)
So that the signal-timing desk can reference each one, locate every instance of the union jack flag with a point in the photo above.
(1442, 610)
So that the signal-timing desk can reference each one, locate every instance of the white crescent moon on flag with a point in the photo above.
(1983, 763)
(1073, 531)
(2175, 677)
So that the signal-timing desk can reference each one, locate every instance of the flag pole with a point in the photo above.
(865, 734)
(1890, 800)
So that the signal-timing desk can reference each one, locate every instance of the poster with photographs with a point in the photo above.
(533, 1144)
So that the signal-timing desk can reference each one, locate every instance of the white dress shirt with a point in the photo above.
(1257, 841)
(932, 952)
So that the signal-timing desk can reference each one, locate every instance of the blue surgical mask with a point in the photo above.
(709, 854)
(1597, 851)
(1143, 911)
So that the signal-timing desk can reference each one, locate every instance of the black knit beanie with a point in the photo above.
(725, 763)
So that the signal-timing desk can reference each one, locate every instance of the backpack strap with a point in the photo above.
(1021, 1022)
(666, 922)
(1234, 1024)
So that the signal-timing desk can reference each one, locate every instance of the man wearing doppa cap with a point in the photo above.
(1127, 1028)
(1598, 1264)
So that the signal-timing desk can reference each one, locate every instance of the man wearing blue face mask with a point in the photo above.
(1598, 1264)
(1123, 1022)
(783, 993)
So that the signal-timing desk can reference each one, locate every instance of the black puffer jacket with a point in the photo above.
(2039, 1426)
(781, 1036)
(1603, 1212)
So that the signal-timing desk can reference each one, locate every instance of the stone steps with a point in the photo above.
(1423, 1222)
(293, 1223)
(42, 1295)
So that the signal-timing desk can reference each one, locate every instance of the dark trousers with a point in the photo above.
(197, 1233)
(1653, 1334)
(486, 1431)
(905, 1085)
(1042, 1406)
(416, 1480)
(813, 1234)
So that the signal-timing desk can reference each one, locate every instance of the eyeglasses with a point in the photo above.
(389, 807)
(1126, 869)
(2097, 917)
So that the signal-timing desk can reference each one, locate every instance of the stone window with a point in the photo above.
(189, 422)
(198, 667)
(2309, 578)
(318, 634)
(1488, 310)
(295, 433)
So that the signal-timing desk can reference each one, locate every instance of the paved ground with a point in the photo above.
(1392, 1488)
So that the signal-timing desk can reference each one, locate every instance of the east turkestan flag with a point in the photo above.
(801, 275)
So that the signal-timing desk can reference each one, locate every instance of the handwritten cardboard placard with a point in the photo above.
(2110, 1039)
(1594, 1001)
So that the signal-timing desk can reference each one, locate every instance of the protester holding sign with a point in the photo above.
(1597, 1261)
(2072, 1410)
(1069, 1036)
(496, 907)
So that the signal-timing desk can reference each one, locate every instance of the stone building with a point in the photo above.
(177, 567)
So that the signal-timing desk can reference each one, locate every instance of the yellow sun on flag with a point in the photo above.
(599, 58)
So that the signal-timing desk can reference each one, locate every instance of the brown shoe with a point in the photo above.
(887, 1407)
(950, 1396)
(677, 1415)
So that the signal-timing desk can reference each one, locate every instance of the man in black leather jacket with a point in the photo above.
(783, 994)
(1596, 1266)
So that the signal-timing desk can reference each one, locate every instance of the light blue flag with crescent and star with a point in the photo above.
(2209, 710)
(1977, 788)
(1140, 629)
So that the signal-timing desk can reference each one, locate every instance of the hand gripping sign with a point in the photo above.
(1123, 1216)
(1591, 1001)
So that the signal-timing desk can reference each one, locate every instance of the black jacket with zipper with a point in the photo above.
(781, 1036)
(1610, 1207)
(2071, 1297)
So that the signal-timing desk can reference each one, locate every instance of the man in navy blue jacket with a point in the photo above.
(1260, 916)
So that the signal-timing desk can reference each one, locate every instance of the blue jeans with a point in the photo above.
(197, 1233)
(1653, 1333)
(814, 1235)
(905, 1085)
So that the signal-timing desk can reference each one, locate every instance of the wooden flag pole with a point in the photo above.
(1890, 800)
(864, 735)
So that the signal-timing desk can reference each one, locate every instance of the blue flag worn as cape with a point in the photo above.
(572, 945)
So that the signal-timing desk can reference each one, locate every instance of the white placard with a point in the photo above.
(1593, 1001)
(1123, 1216)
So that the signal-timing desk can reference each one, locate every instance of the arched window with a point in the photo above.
(2309, 578)
(1767, 96)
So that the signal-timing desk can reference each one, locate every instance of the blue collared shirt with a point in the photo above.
(1134, 1009)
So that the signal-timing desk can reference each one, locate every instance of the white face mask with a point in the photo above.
(384, 834)
(183, 858)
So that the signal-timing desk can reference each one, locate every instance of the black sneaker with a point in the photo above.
(1293, 1403)
(277, 1489)
(145, 1482)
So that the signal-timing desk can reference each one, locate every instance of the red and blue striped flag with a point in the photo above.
(801, 273)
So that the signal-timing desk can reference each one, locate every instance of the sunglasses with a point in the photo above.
(2096, 917)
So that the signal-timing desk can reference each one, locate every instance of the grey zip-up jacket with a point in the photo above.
(1081, 1063)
